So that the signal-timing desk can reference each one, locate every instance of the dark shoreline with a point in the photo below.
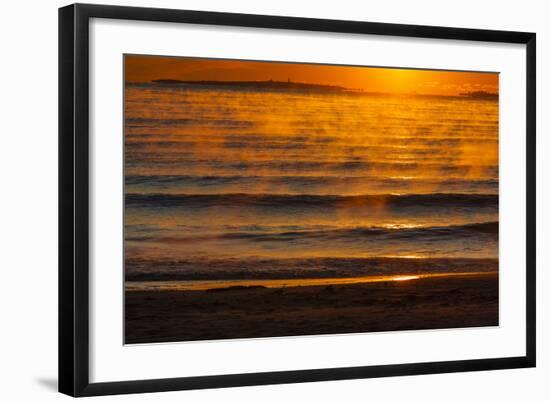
(430, 303)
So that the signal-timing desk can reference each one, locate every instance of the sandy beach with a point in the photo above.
(256, 311)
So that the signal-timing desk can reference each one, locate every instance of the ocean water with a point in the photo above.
(227, 183)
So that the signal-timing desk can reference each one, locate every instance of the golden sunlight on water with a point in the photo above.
(405, 278)
(225, 181)
(202, 285)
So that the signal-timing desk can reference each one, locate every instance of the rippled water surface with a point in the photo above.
(241, 183)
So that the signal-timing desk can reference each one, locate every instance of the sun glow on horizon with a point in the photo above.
(363, 78)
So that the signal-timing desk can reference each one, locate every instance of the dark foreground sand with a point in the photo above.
(427, 303)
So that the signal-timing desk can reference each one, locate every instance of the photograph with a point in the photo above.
(274, 199)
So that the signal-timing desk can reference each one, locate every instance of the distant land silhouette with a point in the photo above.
(303, 86)
(480, 95)
(289, 85)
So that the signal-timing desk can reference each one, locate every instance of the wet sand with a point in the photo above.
(256, 311)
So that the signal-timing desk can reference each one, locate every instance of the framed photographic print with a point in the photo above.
(249, 199)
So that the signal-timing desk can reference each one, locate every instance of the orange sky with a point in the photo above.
(389, 80)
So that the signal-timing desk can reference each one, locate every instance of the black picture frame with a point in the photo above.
(74, 198)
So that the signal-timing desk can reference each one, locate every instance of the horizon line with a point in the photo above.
(483, 95)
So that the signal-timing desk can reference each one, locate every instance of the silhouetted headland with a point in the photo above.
(285, 85)
(480, 95)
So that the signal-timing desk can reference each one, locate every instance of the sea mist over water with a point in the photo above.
(224, 183)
